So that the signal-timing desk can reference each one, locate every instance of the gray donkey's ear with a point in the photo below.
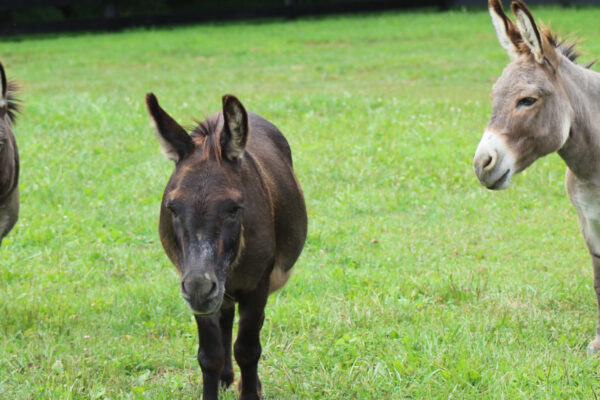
(529, 30)
(235, 130)
(508, 34)
(173, 139)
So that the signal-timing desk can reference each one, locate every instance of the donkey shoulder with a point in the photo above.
(264, 133)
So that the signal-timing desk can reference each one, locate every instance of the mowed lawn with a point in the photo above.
(415, 282)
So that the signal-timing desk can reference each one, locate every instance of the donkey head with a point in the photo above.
(202, 206)
(531, 113)
(8, 146)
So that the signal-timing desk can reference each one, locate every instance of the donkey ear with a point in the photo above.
(173, 139)
(3, 87)
(529, 30)
(508, 34)
(235, 130)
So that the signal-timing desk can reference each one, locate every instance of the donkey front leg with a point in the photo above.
(590, 229)
(595, 344)
(211, 354)
(247, 347)
(226, 323)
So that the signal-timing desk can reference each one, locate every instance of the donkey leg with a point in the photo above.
(247, 347)
(211, 355)
(594, 346)
(226, 322)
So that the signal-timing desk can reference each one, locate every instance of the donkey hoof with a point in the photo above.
(253, 396)
(591, 350)
(594, 346)
(226, 378)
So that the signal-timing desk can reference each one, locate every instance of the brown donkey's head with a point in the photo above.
(203, 205)
(531, 113)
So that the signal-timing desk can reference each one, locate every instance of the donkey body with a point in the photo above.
(9, 157)
(233, 222)
(543, 103)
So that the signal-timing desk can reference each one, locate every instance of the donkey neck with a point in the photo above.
(581, 152)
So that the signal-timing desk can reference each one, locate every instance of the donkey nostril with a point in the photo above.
(490, 161)
(487, 162)
(213, 289)
(199, 287)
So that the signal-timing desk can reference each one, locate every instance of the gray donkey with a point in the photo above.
(9, 157)
(543, 103)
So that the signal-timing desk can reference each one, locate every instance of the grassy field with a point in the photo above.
(415, 282)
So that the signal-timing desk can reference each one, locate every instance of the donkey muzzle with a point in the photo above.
(493, 163)
(201, 291)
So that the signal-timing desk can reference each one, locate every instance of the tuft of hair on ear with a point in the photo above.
(173, 139)
(235, 128)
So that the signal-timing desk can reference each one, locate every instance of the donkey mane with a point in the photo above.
(13, 101)
(564, 46)
(207, 136)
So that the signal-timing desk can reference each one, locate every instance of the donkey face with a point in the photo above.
(531, 114)
(202, 206)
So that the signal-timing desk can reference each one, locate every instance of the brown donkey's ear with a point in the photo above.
(3, 87)
(538, 44)
(235, 130)
(173, 139)
(508, 34)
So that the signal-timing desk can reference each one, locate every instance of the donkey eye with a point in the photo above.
(171, 209)
(233, 213)
(526, 102)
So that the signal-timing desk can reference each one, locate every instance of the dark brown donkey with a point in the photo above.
(233, 221)
(9, 157)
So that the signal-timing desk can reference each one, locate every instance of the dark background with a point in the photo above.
(36, 16)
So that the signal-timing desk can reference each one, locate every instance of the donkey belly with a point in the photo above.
(278, 278)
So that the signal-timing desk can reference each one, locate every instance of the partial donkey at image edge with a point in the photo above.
(544, 103)
(9, 157)
(233, 222)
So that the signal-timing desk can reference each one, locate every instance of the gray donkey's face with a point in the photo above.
(531, 113)
(531, 117)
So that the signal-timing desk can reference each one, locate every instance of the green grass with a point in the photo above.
(415, 282)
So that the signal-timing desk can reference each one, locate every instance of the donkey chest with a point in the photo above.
(586, 199)
(588, 206)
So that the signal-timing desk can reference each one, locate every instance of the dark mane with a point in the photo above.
(13, 101)
(207, 136)
(563, 46)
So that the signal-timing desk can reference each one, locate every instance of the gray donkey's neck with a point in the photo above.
(581, 152)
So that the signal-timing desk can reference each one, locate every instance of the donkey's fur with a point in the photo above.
(9, 156)
(543, 103)
(233, 222)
